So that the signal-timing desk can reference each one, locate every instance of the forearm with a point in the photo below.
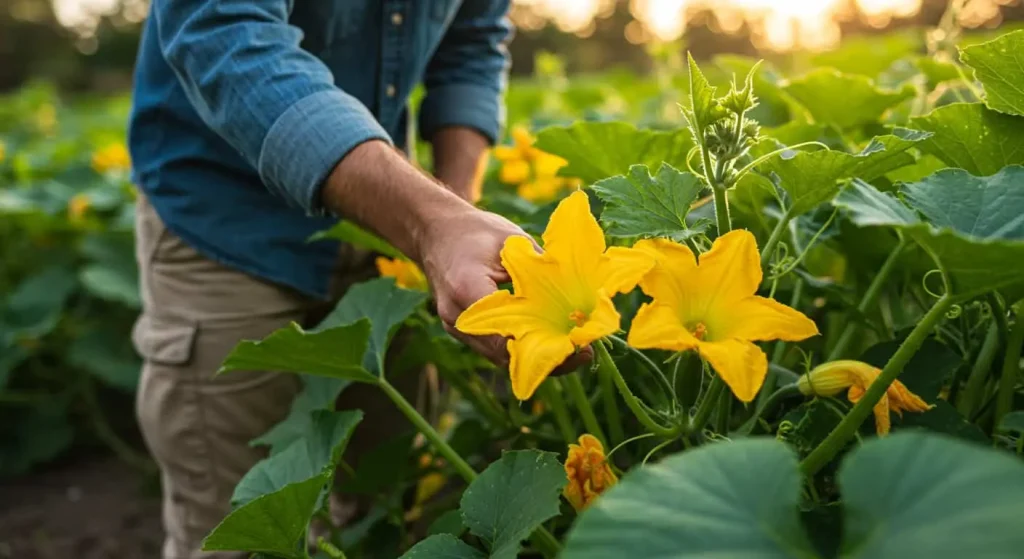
(378, 188)
(460, 159)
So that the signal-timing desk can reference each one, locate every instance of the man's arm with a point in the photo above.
(466, 78)
(241, 66)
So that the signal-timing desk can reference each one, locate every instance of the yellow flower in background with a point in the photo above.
(46, 118)
(829, 379)
(407, 274)
(78, 206)
(113, 157)
(533, 171)
(3, 152)
(711, 307)
(588, 472)
(562, 297)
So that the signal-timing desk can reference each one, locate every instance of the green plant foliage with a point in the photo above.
(348, 232)
(972, 137)
(335, 352)
(598, 150)
(998, 66)
(318, 393)
(641, 205)
(862, 102)
(444, 546)
(511, 498)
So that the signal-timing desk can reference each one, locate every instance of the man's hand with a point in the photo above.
(460, 159)
(457, 245)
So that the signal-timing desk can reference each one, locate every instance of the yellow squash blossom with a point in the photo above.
(832, 378)
(533, 171)
(562, 297)
(113, 157)
(588, 472)
(711, 307)
(407, 274)
(78, 206)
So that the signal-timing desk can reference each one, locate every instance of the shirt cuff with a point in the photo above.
(309, 139)
(468, 105)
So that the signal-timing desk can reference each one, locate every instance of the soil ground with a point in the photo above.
(88, 507)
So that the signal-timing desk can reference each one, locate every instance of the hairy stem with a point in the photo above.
(722, 210)
(574, 386)
(611, 408)
(707, 405)
(968, 400)
(776, 236)
(607, 366)
(847, 428)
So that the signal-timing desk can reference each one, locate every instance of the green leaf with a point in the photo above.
(336, 352)
(443, 546)
(110, 358)
(867, 206)
(999, 66)
(704, 110)
(35, 436)
(640, 205)
(812, 177)
(348, 232)
(511, 498)
(448, 523)
(918, 495)
(382, 468)
(701, 503)
(861, 103)
(274, 523)
(598, 150)
(977, 226)
(1013, 421)
(943, 418)
(120, 285)
(973, 137)
(34, 308)
(314, 454)
(386, 305)
(318, 393)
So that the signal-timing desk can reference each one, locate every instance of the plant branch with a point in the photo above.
(574, 386)
(607, 366)
(1011, 371)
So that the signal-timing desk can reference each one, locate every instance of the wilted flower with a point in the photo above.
(829, 379)
(534, 172)
(588, 472)
(113, 157)
(406, 273)
(562, 297)
(711, 307)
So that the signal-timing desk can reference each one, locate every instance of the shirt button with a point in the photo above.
(390, 91)
(396, 18)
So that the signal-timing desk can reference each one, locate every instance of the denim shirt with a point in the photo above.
(243, 107)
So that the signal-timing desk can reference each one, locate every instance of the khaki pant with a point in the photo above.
(196, 426)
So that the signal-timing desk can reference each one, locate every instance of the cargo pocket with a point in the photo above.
(165, 341)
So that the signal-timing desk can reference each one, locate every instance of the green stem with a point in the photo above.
(540, 537)
(968, 399)
(655, 369)
(611, 408)
(607, 366)
(574, 386)
(776, 236)
(769, 405)
(484, 405)
(722, 210)
(1011, 371)
(723, 413)
(847, 428)
(771, 379)
(707, 405)
(550, 395)
(869, 300)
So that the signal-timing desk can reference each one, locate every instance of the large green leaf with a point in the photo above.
(34, 308)
(336, 352)
(118, 284)
(318, 393)
(812, 177)
(274, 523)
(641, 205)
(443, 546)
(999, 66)
(386, 305)
(703, 503)
(110, 358)
(844, 100)
(1013, 422)
(511, 498)
(348, 232)
(598, 150)
(976, 230)
(973, 137)
(917, 495)
(317, 452)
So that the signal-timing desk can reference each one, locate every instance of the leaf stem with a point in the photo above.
(768, 156)
(968, 399)
(722, 210)
(869, 300)
(574, 386)
(611, 408)
(769, 405)
(607, 366)
(707, 405)
(549, 393)
(658, 373)
(1011, 371)
(847, 428)
(775, 237)
(770, 380)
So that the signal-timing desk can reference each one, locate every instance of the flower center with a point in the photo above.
(700, 331)
(579, 318)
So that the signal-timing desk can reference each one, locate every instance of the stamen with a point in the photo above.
(578, 317)
(699, 331)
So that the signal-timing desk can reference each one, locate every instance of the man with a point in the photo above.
(254, 123)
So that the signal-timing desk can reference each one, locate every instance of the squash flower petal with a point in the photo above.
(406, 273)
(588, 472)
(829, 379)
(562, 300)
(709, 305)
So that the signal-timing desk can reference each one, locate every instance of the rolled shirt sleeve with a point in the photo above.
(241, 66)
(467, 76)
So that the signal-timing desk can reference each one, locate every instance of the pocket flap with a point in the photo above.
(164, 340)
